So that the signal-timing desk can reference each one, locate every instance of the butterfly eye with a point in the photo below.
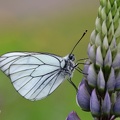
(72, 57)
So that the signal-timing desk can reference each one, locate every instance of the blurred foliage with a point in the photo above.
(56, 33)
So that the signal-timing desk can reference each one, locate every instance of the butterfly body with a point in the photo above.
(36, 75)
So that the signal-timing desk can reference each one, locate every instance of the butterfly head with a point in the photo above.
(71, 57)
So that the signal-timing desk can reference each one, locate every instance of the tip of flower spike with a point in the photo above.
(73, 116)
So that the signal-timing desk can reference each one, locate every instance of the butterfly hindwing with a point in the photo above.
(34, 75)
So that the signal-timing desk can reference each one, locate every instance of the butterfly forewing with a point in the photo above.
(7, 60)
(34, 75)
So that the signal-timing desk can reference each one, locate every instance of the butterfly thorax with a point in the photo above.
(68, 67)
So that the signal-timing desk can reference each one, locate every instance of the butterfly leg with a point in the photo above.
(71, 82)
(80, 71)
(81, 59)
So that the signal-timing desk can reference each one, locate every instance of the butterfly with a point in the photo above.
(37, 75)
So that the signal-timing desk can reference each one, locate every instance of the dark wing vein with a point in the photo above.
(32, 78)
(53, 76)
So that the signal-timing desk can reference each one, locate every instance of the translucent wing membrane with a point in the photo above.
(34, 75)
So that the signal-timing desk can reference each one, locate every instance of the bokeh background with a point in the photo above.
(52, 26)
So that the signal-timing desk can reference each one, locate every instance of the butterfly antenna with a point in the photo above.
(78, 41)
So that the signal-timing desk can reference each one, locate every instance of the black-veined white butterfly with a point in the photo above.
(36, 75)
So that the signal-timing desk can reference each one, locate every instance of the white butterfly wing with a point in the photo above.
(34, 75)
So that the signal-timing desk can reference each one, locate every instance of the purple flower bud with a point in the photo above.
(105, 43)
(89, 45)
(106, 106)
(86, 66)
(108, 58)
(117, 85)
(111, 81)
(118, 94)
(94, 104)
(93, 36)
(99, 58)
(92, 76)
(116, 107)
(91, 52)
(83, 97)
(116, 61)
(101, 81)
(84, 81)
(113, 43)
(73, 116)
(98, 40)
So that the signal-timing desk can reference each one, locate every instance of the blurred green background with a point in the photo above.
(52, 26)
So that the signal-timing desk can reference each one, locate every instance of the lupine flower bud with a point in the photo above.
(73, 116)
(83, 97)
(117, 84)
(101, 81)
(108, 59)
(116, 107)
(92, 76)
(111, 81)
(94, 104)
(86, 66)
(91, 52)
(99, 57)
(106, 106)
(116, 61)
